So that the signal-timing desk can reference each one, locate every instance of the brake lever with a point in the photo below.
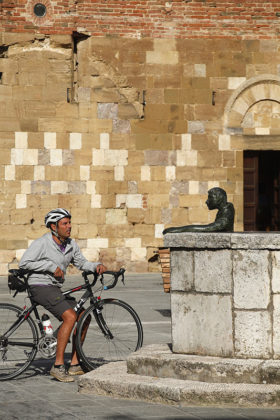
(123, 280)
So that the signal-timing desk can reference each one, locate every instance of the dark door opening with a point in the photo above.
(262, 190)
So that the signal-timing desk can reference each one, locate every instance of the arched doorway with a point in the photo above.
(253, 117)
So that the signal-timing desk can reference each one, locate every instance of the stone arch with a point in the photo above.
(250, 93)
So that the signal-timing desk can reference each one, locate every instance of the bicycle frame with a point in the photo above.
(104, 316)
(26, 312)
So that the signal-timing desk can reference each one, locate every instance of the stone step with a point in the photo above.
(114, 381)
(159, 361)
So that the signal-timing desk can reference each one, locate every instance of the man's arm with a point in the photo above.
(34, 259)
(82, 263)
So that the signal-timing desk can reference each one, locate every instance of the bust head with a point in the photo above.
(217, 198)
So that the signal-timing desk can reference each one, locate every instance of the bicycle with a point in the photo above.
(114, 331)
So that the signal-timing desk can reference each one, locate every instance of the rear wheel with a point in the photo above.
(18, 349)
(114, 331)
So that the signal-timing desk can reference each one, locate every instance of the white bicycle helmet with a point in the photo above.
(55, 215)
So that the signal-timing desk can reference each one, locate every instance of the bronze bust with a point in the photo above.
(217, 199)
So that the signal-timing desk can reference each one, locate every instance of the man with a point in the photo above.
(48, 258)
(217, 199)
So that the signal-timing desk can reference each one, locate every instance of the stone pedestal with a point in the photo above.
(225, 294)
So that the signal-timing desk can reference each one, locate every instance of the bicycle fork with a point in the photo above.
(102, 323)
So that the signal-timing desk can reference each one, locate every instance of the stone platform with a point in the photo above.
(156, 374)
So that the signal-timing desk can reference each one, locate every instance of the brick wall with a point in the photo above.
(248, 19)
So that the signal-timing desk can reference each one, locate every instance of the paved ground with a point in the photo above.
(35, 395)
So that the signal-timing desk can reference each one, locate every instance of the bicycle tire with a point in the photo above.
(113, 340)
(18, 350)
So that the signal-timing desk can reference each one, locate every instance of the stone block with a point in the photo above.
(30, 157)
(40, 187)
(59, 187)
(95, 201)
(162, 57)
(132, 243)
(158, 173)
(138, 254)
(182, 266)
(276, 326)
(21, 201)
(129, 200)
(187, 157)
(10, 124)
(21, 140)
(121, 126)
(87, 231)
(91, 254)
(275, 271)
(154, 142)
(194, 187)
(116, 216)
(56, 157)
(10, 172)
(190, 201)
(235, 82)
(170, 173)
(7, 256)
(135, 216)
(251, 279)
(51, 124)
(98, 157)
(115, 157)
(107, 110)
(97, 243)
(159, 227)
(104, 141)
(36, 140)
(5, 93)
(43, 157)
(84, 172)
(209, 158)
(203, 319)
(198, 215)
(158, 200)
(213, 271)
(224, 142)
(75, 141)
(26, 187)
(119, 173)
(253, 334)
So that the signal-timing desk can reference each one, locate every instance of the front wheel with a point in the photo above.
(18, 343)
(112, 331)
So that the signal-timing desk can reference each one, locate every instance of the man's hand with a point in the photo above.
(58, 273)
(100, 269)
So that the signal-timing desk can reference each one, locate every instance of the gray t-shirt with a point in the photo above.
(44, 255)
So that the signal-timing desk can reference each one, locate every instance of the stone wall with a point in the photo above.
(128, 120)
(129, 135)
(225, 293)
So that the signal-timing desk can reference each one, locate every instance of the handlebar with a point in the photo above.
(114, 274)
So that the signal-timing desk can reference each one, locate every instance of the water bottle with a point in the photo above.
(47, 325)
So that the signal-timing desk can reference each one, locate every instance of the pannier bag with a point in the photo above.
(15, 283)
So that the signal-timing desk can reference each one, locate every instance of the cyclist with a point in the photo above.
(48, 258)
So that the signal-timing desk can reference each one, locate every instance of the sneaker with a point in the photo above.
(75, 370)
(60, 374)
